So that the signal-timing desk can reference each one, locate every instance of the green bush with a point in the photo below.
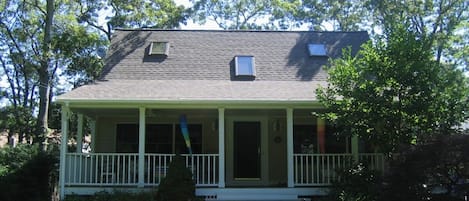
(27, 173)
(178, 184)
(357, 183)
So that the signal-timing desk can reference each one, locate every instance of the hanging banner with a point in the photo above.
(185, 132)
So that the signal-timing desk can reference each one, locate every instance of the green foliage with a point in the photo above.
(178, 184)
(245, 14)
(163, 14)
(358, 183)
(17, 120)
(394, 93)
(437, 170)
(27, 173)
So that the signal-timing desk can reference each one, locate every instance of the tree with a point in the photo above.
(130, 14)
(394, 92)
(31, 58)
(441, 22)
(343, 15)
(245, 14)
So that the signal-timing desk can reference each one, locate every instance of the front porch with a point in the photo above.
(234, 150)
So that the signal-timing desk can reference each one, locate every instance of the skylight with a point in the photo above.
(317, 49)
(159, 48)
(244, 66)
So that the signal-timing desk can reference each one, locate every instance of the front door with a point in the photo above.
(247, 150)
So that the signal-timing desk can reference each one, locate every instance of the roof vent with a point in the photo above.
(159, 48)
(317, 49)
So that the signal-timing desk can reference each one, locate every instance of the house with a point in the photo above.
(247, 99)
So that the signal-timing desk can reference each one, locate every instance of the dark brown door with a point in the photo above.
(247, 150)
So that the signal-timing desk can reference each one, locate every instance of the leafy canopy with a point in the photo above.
(394, 92)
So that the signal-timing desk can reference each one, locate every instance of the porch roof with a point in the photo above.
(194, 90)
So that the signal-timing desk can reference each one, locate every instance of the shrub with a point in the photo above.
(28, 174)
(436, 170)
(357, 183)
(178, 184)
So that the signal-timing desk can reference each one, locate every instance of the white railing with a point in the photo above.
(321, 169)
(374, 161)
(101, 169)
(204, 168)
(121, 169)
(318, 169)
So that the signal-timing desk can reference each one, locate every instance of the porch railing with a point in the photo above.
(121, 169)
(101, 169)
(321, 169)
(204, 168)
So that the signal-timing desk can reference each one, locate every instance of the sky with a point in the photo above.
(190, 24)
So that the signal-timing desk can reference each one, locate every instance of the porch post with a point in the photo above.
(221, 147)
(63, 150)
(290, 147)
(141, 147)
(93, 135)
(80, 134)
(355, 148)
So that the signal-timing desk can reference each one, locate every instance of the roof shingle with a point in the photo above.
(200, 65)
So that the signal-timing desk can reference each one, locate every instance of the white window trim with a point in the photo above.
(253, 66)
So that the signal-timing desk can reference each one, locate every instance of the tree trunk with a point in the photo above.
(43, 71)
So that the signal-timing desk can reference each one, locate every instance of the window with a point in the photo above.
(305, 140)
(317, 49)
(160, 138)
(159, 48)
(127, 138)
(244, 66)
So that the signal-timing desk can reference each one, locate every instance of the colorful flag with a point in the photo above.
(185, 132)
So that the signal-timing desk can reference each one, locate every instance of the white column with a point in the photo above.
(290, 147)
(80, 134)
(141, 147)
(63, 150)
(93, 135)
(221, 147)
(355, 148)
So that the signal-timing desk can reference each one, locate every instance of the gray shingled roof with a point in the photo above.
(200, 65)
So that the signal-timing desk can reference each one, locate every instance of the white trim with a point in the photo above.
(205, 103)
(141, 148)
(80, 133)
(63, 150)
(290, 181)
(221, 147)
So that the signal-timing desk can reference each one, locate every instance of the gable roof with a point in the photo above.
(200, 65)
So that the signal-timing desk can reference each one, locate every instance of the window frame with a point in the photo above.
(314, 51)
(252, 70)
(165, 52)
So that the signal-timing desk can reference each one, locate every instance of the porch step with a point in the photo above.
(256, 194)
